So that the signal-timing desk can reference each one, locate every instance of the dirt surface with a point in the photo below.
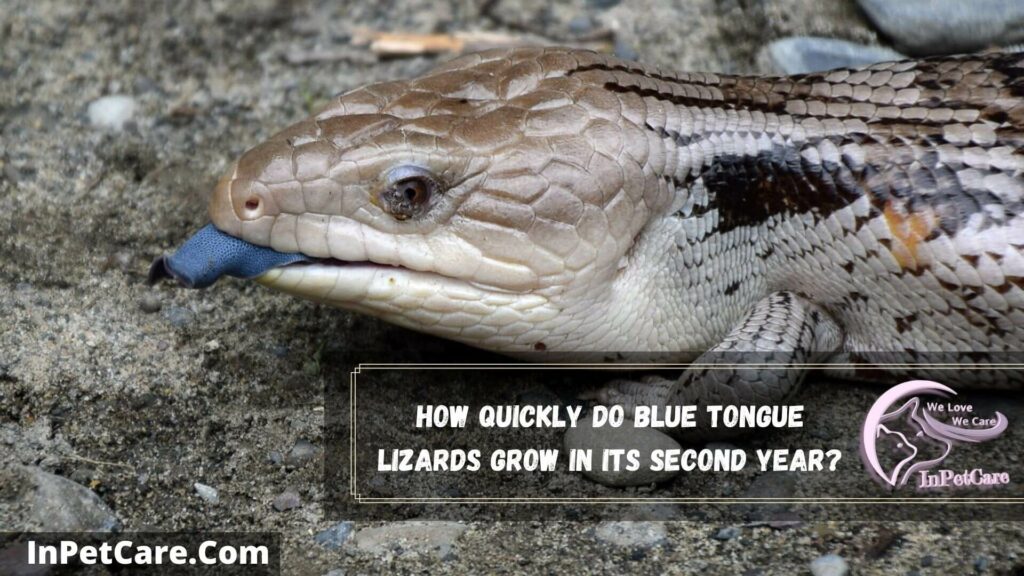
(139, 393)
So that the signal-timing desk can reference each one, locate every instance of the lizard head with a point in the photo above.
(494, 200)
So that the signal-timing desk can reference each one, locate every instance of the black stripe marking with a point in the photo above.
(749, 190)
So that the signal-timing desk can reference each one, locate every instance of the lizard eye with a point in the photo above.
(409, 192)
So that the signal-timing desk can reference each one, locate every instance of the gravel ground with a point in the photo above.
(204, 410)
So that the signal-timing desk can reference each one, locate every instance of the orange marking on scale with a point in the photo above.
(910, 230)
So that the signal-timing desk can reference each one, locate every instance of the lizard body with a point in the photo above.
(563, 200)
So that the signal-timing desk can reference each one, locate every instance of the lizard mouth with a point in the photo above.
(424, 300)
(210, 254)
(421, 300)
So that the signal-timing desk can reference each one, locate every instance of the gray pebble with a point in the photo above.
(646, 440)
(301, 453)
(335, 572)
(83, 476)
(150, 303)
(112, 112)
(35, 500)
(981, 564)
(771, 485)
(333, 537)
(178, 316)
(803, 54)
(12, 174)
(49, 463)
(923, 27)
(286, 501)
(829, 565)
(624, 50)
(727, 533)
(629, 534)
(123, 260)
(208, 493)
(927, 560)
(435, 539)
(581, 24)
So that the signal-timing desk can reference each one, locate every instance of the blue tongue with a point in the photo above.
(210, 254)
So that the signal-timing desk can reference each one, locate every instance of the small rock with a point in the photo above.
(301, 453)
(178, 316)
(585, 437)
(150, 303)
(541, 396)
(923, 27)
(803, 54)
(771, 485)
(12, 174)
(333, 537)
(112, 112)
(624, 50)
(208, 493)
(632, 534)
(122, 260)
(310, 368)
(275, 457)
(211, 345)
(49, 463)
(581, 24)
(83, 476)
(436, 539)
(829, 565)
(927, 560)
(35, 500)
(981, 564)
(335, 572)
(727, 533)
(286, 501)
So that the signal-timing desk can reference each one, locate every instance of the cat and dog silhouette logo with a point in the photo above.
(902, 437)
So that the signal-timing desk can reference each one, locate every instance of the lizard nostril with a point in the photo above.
(252, 208)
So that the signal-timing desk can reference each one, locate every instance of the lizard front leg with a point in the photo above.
(782, 330)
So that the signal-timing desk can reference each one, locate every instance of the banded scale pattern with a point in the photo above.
(592, 204)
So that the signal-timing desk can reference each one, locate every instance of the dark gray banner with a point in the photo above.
(519, 441)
